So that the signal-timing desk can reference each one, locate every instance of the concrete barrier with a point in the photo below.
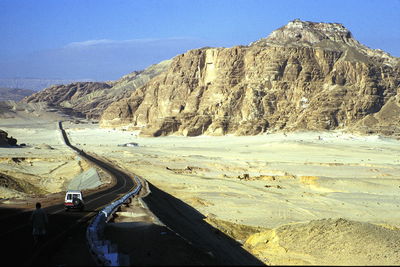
(103, 252)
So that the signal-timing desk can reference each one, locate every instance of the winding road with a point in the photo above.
(17, 243)
(15, 228)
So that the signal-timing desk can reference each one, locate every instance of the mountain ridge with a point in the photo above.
(91, 98)
(303, 76)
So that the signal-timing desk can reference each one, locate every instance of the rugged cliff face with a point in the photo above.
(90, 99)
(305, 75)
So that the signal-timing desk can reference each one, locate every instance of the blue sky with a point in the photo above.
(103, 40)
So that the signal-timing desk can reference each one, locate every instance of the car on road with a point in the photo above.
(74, 200)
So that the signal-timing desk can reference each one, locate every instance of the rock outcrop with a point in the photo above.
(90, 99)
(5, 140)
(305, 75)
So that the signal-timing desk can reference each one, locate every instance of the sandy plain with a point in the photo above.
(289, 198)
(45, 165)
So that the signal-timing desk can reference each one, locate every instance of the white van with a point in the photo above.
(74, 200)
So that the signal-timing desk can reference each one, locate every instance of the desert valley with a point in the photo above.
(290, 145)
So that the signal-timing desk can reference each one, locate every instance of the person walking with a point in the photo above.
(39, 223)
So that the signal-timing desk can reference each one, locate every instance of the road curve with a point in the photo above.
(177, 215)
(15, 229)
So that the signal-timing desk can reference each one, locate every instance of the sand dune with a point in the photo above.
(327, 242)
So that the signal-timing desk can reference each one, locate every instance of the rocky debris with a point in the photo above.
(276, 186)
(5, 140)
(19, 185)
(309, 33)
(263, 177)
(44, 146)
(90, 99)
(187, 170)
(245, 176)
(8, 182)
(329, 36)
(305, 75)
(17, 159)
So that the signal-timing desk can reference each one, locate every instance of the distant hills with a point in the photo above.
(92, 98)
(14, 94)
(35, 84)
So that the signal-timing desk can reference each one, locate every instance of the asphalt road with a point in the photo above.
(16, 231)
(65, 243)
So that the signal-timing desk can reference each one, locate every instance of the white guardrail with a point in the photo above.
(102, 250)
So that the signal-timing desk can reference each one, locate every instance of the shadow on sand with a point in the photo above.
(17, 240)
(189, 223)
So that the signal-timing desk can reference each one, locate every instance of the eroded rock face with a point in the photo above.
(90, 99)
(74, 95)
(305, 75)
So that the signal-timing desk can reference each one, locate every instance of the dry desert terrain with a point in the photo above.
(290, 198)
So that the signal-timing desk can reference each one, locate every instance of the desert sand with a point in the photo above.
(265, 180)
(294, 198)
(45, 164)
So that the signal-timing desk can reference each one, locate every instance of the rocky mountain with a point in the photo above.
(14, 94)
(304, 75)
(90, 99)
